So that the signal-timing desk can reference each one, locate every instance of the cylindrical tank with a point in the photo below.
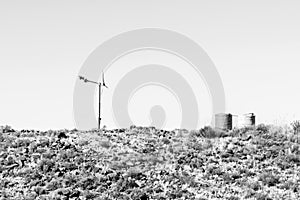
(235, 121)
(223, 121)
(247, 120)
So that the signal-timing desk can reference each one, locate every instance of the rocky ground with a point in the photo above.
(145, 163)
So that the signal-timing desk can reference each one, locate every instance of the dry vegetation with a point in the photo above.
(145, 163)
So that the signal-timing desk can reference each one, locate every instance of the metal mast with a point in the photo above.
(99, 100)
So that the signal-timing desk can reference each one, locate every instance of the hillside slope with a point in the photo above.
(145, 163)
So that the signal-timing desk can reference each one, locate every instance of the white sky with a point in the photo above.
(254, 44)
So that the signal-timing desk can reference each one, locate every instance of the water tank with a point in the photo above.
(223, 121)
(235, 121)
(247, 120)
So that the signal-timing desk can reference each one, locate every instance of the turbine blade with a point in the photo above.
(103, 81)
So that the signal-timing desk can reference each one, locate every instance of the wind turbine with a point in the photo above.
(100, 84)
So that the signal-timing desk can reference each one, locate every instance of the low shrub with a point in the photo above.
(209, 132)
(6, 129)
(289, 185)
(262, 128)
(262, 196)
(105, 144)
(269, 179)
(296, 126)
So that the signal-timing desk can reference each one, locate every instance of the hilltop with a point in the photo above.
(147, 163)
